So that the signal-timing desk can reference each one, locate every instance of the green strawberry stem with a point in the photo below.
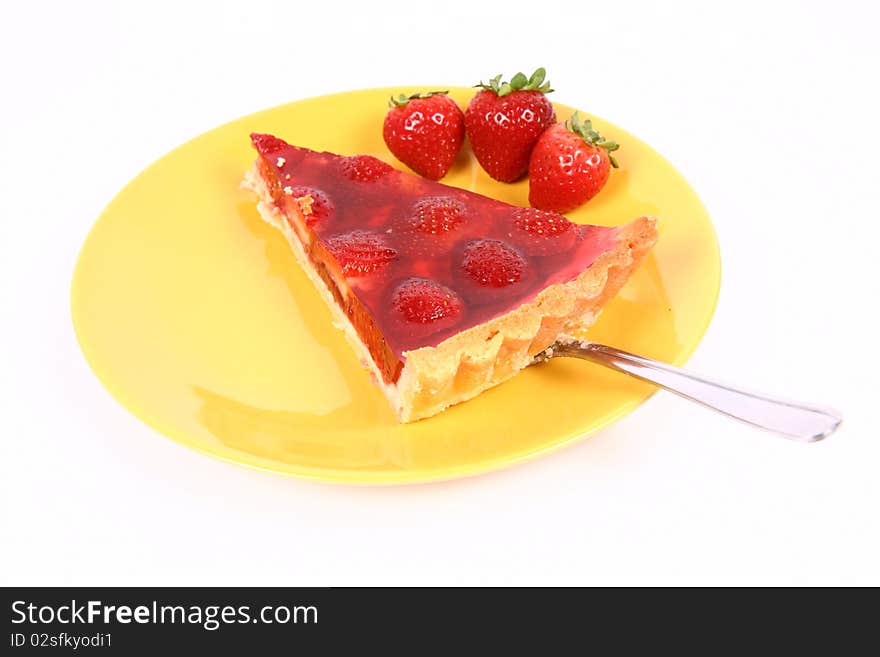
(402, 99)
(518, 82)
(584, 129)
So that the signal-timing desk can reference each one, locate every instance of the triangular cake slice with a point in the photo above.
(442, 292)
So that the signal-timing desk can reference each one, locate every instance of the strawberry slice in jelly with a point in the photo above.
(492, 263)
(361, 252)
(542, 233)
(413, 262)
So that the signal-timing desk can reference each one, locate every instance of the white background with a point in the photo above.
(767, 109)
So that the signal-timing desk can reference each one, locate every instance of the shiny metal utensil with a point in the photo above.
(793, 420)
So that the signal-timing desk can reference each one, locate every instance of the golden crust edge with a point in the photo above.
(481, 357)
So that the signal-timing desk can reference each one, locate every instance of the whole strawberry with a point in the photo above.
(569, 165)
(425, 132)
(504, 120)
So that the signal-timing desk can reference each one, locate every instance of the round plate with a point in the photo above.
(195, 316)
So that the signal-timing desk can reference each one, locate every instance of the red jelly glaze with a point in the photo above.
(424, 244)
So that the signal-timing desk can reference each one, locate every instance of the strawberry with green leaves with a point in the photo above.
(425, 132)
(503, 121)
(570, 163)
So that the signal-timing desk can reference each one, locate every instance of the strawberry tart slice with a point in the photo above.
(442, 292)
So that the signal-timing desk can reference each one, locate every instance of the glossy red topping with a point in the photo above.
(436, 215)
(423, 301)
(315, 204)
(267, 144)
(492, 263)
(424, 260)
(360, 252)
(542, 233)
(365, 168)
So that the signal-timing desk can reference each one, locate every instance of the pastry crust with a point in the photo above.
(466, 364)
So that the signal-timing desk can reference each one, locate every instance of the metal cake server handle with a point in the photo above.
(794, 420)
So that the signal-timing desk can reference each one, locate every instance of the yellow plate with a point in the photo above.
(194, 315)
